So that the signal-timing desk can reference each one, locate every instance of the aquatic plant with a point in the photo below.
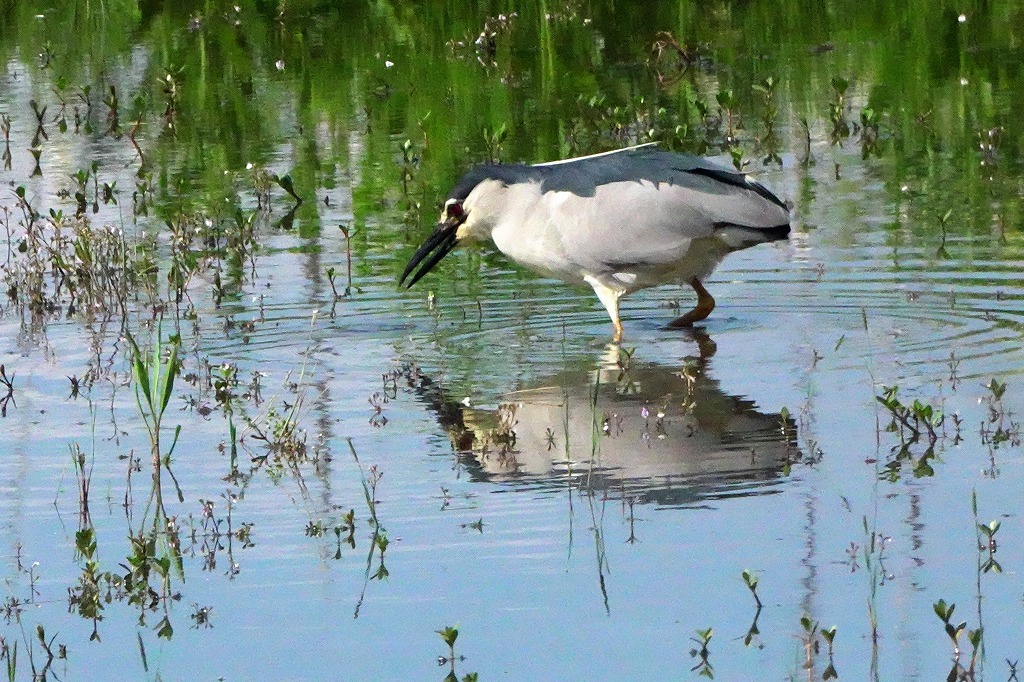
(7, 381)
(829, 635)
(953, 631)
(703, 668)
(751, 580)
(449, 635)
(154, 385)
(911, 423)
(837, 109)
(768, 143)
(986, 534)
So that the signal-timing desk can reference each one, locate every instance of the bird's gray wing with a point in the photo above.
(626, 223)
(646, 206)
(720, 194)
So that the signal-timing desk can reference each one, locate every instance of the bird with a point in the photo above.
(620, 221)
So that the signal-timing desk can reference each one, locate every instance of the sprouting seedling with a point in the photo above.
(379, 542)
(109, 193)
(285, 182)
(736, 152)
(703, 667)
(40, 114)
(83, 474)
(493, 140)
(837, 108)
(996, 429)
(410, 163)
(770, 141)
(727, 104)
(8, 383)
(945, 614)
(974, 637)
(114, 114)
(449, 635)
(988, 532)
(868, 132)
(941, 251)
(784, 423)
(331, 274)
(705, 637)
(810, 630)
(85, 96)
(347, 232)
(154, 385)
(808, 158)
(37, 171)
(829, 636)
(997, 389)
(986, 538)
(751, 579)
(913, 420)
(5, 127)
(11, 656)
(170, 83)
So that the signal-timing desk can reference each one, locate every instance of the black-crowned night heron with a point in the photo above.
(620, 221)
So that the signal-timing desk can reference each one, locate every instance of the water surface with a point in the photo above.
(578, 510)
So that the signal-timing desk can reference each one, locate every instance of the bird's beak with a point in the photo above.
(440, 242)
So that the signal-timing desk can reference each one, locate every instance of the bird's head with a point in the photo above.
(469, 214)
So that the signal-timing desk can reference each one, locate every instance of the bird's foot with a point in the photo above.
(696, 315)
(686, 321)
(705, 304)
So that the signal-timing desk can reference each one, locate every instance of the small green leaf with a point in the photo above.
(168, 378)
(449, 635)
(164, 628)
(974, 637)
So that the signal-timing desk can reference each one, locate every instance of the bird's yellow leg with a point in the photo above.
(705, 304)
(610, 299)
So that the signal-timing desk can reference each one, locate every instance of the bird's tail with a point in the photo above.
(740, 237)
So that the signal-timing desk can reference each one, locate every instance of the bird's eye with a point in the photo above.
(454, 210)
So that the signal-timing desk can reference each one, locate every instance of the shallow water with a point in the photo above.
(578, 510)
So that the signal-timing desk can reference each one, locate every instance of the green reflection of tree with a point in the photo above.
(328, 94)
(262, 86)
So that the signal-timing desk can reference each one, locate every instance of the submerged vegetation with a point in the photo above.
(202, 213)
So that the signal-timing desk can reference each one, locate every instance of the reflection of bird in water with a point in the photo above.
(663, 434)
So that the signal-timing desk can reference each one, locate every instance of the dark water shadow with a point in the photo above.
(639, 431)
